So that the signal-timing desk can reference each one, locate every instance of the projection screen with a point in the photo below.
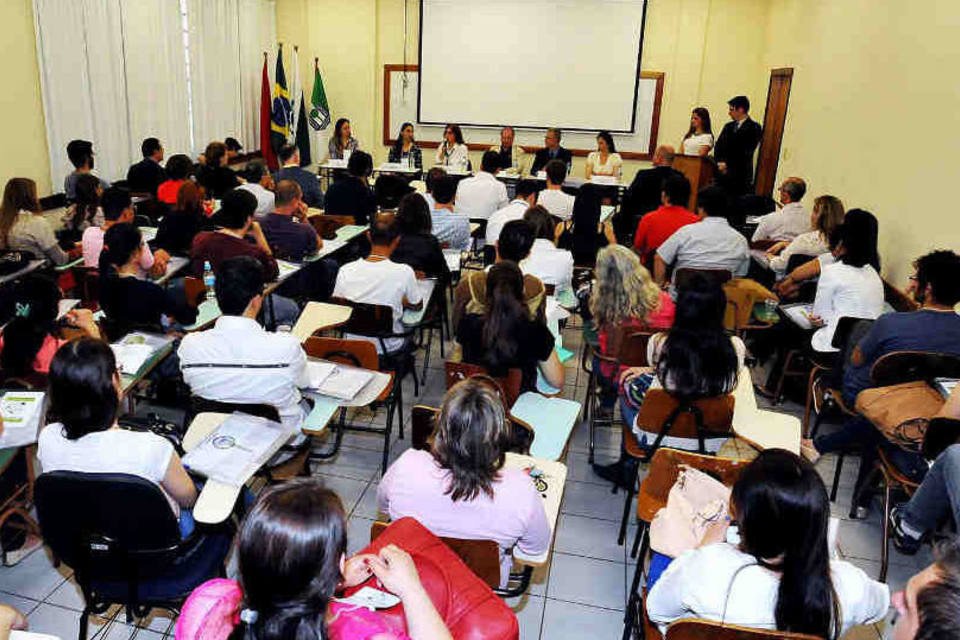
(573, 64)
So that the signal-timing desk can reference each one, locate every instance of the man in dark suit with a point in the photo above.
(146, 175)
(553, 151)
(643, 194)
(735, 146)
(290, 169)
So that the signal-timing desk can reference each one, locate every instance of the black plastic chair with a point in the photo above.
(121, 538)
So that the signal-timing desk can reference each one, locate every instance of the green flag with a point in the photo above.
(320, 110)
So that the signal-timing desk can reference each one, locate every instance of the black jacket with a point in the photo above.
(642, 196)
(351, 196)
(145, 176)
(542, 157)
(735, 146)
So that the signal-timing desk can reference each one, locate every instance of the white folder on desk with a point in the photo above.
(21, 412)
(239, 446)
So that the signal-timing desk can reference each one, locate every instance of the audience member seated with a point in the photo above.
(553, 199)
(514, 245)
(851, 287)
(709, 244)
(792, 285)
(526, 197)
(779, 575)
(605, 161)
(451, 229)
(479, 196)
(216, 363)
(292, 558)
(260, 183)
(584, 234)
(214, 175)
(23, 227)
(551, 265)
(342, 143)
(505, 336)
(80, 154)
(510, 156)
(285, 226)
(927, 606)
(656, 226)
(85, 399)
(791, 220)
(460, 488)
(128, 301)
(179, 167)
(233, 148)
(453, 152)
(290, 169)
(148, 174)
(183, 222)
(699, 138)
(32, 336)
(85, 211)
(406, 149)
(379, 280)
(825, 219)
(352, 195)
(551, 151)
(118, 209)
(430, 180)
(645, 192)
(418, 247)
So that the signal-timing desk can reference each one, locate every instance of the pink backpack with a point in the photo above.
(210, 612)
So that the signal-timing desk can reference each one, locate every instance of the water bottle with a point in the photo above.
(209, 280)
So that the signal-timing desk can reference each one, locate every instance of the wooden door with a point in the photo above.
(778, 96)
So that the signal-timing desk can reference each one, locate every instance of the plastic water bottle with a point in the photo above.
(209, 280)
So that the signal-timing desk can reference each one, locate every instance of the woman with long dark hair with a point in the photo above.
(292, 556)
(178, 228)
(584, 235)
(699, 138)
(605, 161)
(779, 575)
(22, 227)
(406, 148)
(352, 195)
(452, 152)
(342, 140)
(85, 210)
(418, 247)
(505, 336)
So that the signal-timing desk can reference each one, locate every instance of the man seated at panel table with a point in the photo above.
(451, 228)
(525, 198)
(655, 227)
(552, 151)
(118, 209)
(478, 197)
(553, 199)
(379, 280)
(709, 244)
(238, 361)
(146, 175)
(289, 157)
(791, 220)
(510, 156)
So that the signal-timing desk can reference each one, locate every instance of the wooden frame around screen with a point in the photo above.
(659, 76)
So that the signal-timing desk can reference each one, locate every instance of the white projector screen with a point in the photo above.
(573, 64)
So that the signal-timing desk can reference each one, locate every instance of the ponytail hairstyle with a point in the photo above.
(119, 244)
(290, 547)
(34, 307)
(781, 505)
(86, 201)
(506, 312)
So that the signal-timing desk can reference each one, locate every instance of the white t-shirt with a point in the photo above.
(513, 211)
(553, 266)
(811, 243)
(704, 583)
(843, 290)
(478, 197)
(611, 167)
(137, 453)
(691, 146)
(382, 282)
(266, 199)
(557, 202)
(786, 224)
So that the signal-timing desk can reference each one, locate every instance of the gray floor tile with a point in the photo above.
(861, 540)
(597, 583)
(23, 605)
(348, 489)
(589, 537)
(529, 610)
(65, 624)
(367, 505)
(569, 621)
(35, 577)
(350, 462)
(358, 534)
(592, 501)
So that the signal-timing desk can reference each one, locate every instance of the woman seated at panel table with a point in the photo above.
(405, 149)
(342, 143)
(460, 488)
(779, 575)
(605, 161)
(699, 138)
(85, 399)
(505, 336)
(452, 152)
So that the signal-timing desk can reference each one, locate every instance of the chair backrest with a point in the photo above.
(508, 386)
(665, 467)
(906, 366)
(200, 405)
(630, 347)
(88, 286)
(796, 260)
(194, 289)
(374, 320)
(423, 420)
(356, 353)
(709, 630)
(482, 556)
(95, 522)
(389, 189)
(682, 276)
(326, 226)
(667, 415)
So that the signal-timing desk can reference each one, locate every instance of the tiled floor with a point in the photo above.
(580, 594)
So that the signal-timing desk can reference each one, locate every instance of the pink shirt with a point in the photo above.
(414, 486)
(658, 319)
(93, 245)
(49, 346)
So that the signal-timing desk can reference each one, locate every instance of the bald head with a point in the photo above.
(288, 196)
(792, 190)
(663, 156)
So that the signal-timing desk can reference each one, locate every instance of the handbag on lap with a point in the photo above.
(695, 501)
(901, 412)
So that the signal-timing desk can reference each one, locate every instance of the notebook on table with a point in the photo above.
(799, 314)
(552, 420)
(135, 350)
(233, 452)
(337, 381)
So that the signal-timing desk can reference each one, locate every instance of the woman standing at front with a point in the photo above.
(452, 152)
(342, 140)
(406, 149)
(699, 138)
(605, 161)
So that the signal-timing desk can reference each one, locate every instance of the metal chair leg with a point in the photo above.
(885, 544)
(836, 477)
(626, 508)
(633, 616)
(636, 540)
(386, 439)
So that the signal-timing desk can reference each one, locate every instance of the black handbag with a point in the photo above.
(12, 261)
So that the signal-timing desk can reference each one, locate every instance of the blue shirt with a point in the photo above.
(451, 229)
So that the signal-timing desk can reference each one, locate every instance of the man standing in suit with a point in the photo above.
(290, 169)
(735, 146)
(553, 151)
(643, 195)
(146, 175)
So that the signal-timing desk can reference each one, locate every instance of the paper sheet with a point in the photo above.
(135, 349)
(21, 412)
(345, 382)
(236, 449)
(319, 372)
(799, 314)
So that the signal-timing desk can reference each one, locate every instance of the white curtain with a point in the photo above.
(258, 34)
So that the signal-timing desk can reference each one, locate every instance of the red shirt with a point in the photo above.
(657, 226)
(167, 191)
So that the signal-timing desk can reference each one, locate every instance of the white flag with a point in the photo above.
(296, 96)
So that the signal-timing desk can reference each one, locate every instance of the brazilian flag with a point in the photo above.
(280, 115)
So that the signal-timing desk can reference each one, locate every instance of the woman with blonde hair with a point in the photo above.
(826, 217)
